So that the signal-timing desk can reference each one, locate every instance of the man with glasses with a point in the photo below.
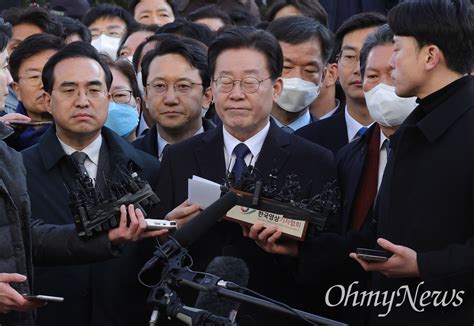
(177, 94)
(108, 24)
(76, 84)
(306, 46)
(245, 65)
(335, 132)
(26, 65)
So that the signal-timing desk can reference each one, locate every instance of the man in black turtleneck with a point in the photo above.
(425, 208)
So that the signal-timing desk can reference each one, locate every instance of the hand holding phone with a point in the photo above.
(154, 224)
(372, 255)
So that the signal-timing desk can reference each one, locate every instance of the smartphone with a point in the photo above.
(373, 255)
(21, 124)
(153, 224)
(46, 298)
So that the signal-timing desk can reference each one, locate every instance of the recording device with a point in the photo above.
(372, 255)
(229, 269)
(154, 224)
(263, 200)
(45, 298)
(95, 211)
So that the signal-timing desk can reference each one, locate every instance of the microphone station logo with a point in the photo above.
(337, 295)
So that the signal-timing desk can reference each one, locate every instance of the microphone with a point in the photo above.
(172, 249)
(229, 269)
(199, 225)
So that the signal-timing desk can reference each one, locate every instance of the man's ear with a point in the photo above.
(206, 98)
(330, 75)
(16, 89)
(277, 88)
(433, 56)
(47, 102)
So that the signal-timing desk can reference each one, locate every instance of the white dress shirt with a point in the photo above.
(303, 120)
(382, 158)
(162, 142)
(254, 143)
(92, 150)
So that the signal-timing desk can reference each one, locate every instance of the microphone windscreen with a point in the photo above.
(198, 226)
(228, 269)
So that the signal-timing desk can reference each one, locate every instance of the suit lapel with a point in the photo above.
(274, 153)
(209, 155)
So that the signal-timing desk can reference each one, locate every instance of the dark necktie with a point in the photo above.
(360, 132)
(240, 151)
(287, 129)
(80, 158)
(367, 187)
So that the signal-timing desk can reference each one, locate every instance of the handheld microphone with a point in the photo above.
(199, 225)
(229, 269)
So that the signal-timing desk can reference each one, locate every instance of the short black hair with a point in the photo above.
(31, 46)
(134, 3)
(309, 8)
(210, 11)
(189, 29)
(36, 16)
(356, 22)
(126, 68)
(300, 29)
(248, 38)
(79, 49)
(133, 29)
(73, 26)
(5, 34)
(108, 11)
(153, 38)
(381, 36)
(447, 24)
(187, 48)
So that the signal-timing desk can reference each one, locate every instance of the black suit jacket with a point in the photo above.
(203, 155)
(149, 142)
(105, 293)
(330, 133)
(426, 203)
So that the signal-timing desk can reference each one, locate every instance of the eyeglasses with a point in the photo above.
(117, 33)
(182, 87)
(348, 58)
(122, 96)
(33, 80)
(248, 85)
(91, 92)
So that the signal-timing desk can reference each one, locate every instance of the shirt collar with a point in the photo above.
(303, 120)
(330, 113)
(162, 142)
(92, 150)
(353, 125)
(383, 138)
(254, 143)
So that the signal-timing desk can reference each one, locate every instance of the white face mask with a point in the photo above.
(386, 107)
(140, 83)
(106, 44)
(297, 94)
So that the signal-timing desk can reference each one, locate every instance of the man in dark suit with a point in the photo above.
(177, 93)
(307, 46)
(245, 65)
(338, 130)
(76, 82)
(425, 205)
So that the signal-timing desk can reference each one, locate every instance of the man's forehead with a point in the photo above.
(78, 70)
